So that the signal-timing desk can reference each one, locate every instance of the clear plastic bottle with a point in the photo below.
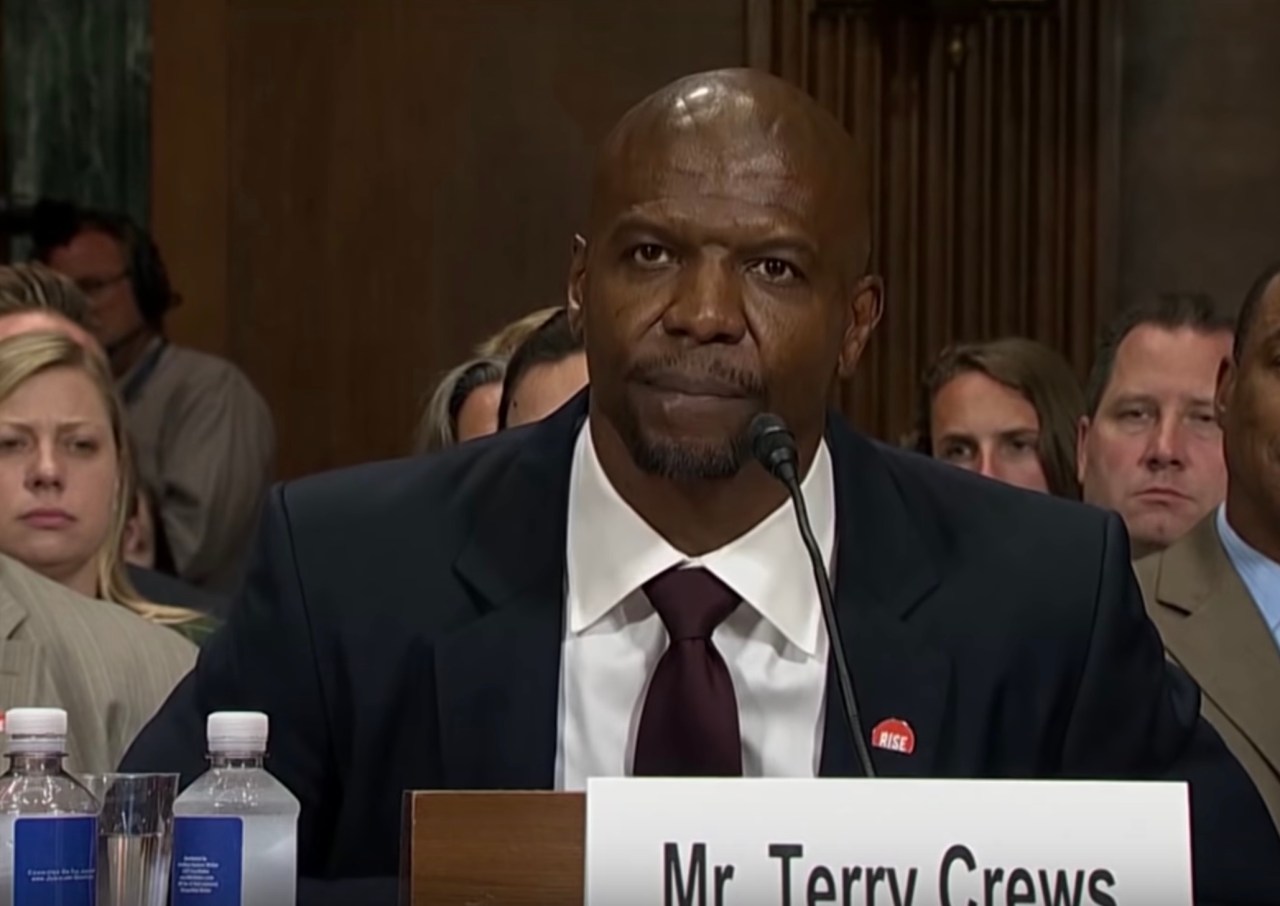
(48, 821)
(235, 830)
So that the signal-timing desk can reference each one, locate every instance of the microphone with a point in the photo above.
(774, 447)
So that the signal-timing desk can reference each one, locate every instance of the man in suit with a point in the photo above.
(498, 615)
(108, 668)
(1215, 594)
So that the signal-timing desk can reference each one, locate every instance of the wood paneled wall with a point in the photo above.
(351, 193)
(989, 141)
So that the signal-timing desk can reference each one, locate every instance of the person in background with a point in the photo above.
(463, 406)
(66, 486)
(503, 344)
(1214, 593)
(204, 436)
(1006, 409)
(544, 373)
(1149, 446)
(35, 298)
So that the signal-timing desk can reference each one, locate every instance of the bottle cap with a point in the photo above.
(36, 729)
(237, 731)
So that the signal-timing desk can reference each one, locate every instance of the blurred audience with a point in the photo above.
(65, 474)
(204, 436)
(34, 298)
(544, 373)
(1150, 447)
(1215, 592)
(1006, 409)
(463, 406)
(504, 343)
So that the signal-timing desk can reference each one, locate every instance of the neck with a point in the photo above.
(127, 351)
(1256, 527)
(695, 516)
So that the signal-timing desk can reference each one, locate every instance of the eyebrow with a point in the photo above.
(781, 240)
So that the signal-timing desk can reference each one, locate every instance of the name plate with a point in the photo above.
(694, 842)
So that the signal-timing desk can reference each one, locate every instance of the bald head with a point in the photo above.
(723, 273)
(737, 133)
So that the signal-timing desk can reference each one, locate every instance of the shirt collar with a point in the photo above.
(612, 552)
(1259, 573)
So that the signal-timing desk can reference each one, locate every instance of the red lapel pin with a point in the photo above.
(894, 735)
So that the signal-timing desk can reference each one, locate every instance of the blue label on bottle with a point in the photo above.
(207, 861)
(55, 861)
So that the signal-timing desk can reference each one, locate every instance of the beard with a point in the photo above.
(716, 459)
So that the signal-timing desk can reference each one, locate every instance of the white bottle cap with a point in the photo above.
(36, 729)
(237, 731)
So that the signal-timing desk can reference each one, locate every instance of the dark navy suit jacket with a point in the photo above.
(402, 625)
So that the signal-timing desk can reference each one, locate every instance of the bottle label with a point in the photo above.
(207, 861)
(55, 861)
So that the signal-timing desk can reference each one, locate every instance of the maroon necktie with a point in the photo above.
(689, 726)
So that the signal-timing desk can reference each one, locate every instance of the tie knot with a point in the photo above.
(691, 602)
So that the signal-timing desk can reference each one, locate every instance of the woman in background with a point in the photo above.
(66, 485)
(1007, 409)
(463, 406)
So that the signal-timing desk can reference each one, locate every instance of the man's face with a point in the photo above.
(981, 425)
(98, 264)
(718, 284)
(1153, 451)
(1249, 396)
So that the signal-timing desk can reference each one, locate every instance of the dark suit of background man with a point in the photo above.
(485, 618)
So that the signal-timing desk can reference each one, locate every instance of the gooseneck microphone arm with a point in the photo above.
(774, 447)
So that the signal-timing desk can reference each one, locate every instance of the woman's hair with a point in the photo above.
(553, 341)
(506, 341)
(438, 426)
(23, 357)
(1032, 369)
(34, 287)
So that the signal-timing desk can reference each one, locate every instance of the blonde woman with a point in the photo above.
(66, 486)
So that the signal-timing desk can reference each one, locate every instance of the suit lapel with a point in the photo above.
(498, 677)
(884, 568)
(1212, 627)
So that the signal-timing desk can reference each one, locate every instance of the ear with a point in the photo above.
(577, 281)
(1226, 388)
(1082, 454)
(865, 308)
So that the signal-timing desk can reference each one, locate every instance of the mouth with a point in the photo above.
(1162, 495)
(47, 518)
(694, 386)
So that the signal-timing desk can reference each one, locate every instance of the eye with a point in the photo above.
(775, 270)
(650, 254)
(954, 453)
(11, 444)
(1023, 444)
(85, 446)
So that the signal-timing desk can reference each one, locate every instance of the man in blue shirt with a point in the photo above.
(1215, 594)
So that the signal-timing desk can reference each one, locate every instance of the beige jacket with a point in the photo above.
(205, 444)
(1212, 628)
(108, 668)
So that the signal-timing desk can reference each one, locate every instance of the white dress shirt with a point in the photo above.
(774, 643)
(1259, 573)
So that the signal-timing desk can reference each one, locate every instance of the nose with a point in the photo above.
(708, 305)
(988, 465)
(1166, 446)
(45, 472)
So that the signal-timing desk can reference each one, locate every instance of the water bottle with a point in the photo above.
(48, 821)
(235, 830)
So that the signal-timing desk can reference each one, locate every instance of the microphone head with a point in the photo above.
(773, 445)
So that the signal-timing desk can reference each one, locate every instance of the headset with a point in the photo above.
(57, 223)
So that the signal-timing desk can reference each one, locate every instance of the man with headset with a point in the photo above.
(204, 436)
